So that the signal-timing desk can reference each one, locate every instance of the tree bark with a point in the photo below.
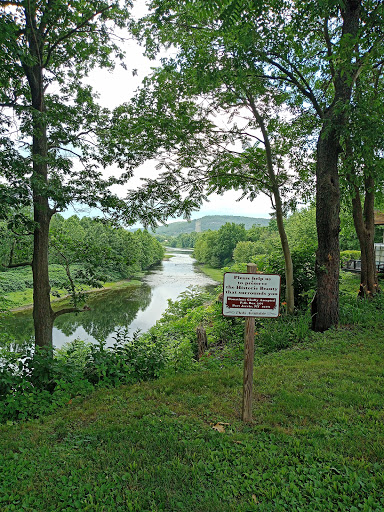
(365, 230)
(325, 308)
(42, 311)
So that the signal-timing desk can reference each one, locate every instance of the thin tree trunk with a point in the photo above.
(365, 230)
(289, 287)
(290, 291)
(364, 218)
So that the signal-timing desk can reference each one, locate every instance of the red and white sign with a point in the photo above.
(255, 295)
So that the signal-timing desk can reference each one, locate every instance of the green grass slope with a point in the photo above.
(177, 444)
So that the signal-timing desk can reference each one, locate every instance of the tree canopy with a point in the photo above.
(303, 57)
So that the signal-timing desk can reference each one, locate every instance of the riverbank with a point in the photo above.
(134, 305)
(214, 273)
(24, 299)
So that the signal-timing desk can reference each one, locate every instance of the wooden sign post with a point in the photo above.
(249, 356)
(250, 296)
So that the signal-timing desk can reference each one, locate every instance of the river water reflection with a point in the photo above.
(136, 308)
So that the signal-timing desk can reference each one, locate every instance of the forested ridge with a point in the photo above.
(208, 222)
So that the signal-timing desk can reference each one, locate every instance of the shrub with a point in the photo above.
(345, 256)
(191, 298)
(359, 311)
(38, 382)
(282, 332)
(15, 280)
(128, 360)
(225, 330)
(304, 278)
(35, 383)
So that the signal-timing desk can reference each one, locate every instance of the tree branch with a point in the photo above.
(5, 3)
(78, 155)
(16, 265)
(241, 133)
(69, 310)
(329, 47)
(365, 57)
(71, 32)
(306, 92)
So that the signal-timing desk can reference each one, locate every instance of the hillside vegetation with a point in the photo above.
(208, 222)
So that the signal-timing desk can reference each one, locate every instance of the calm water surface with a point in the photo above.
(110, 310)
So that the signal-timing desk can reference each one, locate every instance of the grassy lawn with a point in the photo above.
(177, 444)
(214, 273)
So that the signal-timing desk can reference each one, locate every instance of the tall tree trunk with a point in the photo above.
(325, 307)
(42, 311)
(365, 229)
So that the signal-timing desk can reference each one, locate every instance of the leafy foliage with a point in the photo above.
(128, 360)
(345, 256)
(182, 241)
(70, 44)
(34, 384)
(87, 252)
(216, 247)
(246, 252)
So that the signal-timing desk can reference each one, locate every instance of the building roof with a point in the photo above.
(379, 218)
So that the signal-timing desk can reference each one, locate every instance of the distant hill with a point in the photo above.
(213, 222)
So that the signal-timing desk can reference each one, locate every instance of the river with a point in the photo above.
(137, 307)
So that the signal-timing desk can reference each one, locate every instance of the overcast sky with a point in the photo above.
(119, 86)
